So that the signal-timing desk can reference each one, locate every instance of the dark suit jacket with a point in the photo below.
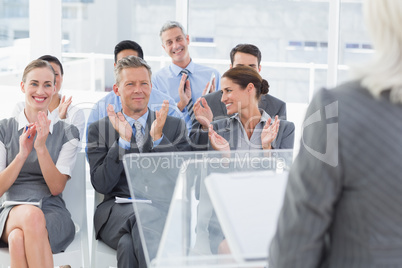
(268, 103)
(105, 158)
(342, 206)
(229, 128)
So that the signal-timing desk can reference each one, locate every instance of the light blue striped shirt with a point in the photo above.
(143, 120)
(167, 80)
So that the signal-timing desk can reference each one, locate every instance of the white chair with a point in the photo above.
(4, 258)
(102, 255)
(77, 253)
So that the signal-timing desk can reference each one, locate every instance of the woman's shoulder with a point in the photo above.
(69, 131)
(7, 126)
(346, 90)
(8, 123)
(224, 123)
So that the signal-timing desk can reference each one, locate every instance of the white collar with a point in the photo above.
(23, 121)
(264, 116)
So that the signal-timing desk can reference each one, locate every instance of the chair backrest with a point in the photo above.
(102, 255)
(74, 193)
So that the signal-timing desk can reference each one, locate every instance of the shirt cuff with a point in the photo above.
(158, 141)
(124, 144)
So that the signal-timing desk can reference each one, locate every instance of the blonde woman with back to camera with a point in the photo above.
(342, 205)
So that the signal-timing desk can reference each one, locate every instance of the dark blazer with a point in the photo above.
(229, 128)
(268, 103)
(342, 206)
(105, 157)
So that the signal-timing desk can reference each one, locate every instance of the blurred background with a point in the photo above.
(305, 44)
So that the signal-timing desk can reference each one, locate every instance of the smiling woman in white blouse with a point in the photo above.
(37, 154)
(61, 108)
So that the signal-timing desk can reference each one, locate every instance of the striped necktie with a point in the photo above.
(139, 137)
(190, 102)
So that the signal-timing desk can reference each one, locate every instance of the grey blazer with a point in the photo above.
(343, 201)
(268, 103)
(229, 128)
(105, 158)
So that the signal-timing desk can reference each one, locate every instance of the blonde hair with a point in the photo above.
(383, 19)
(37, 64)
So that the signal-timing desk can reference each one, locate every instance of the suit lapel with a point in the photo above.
(107, 131)
(148, 143)
(230, 132)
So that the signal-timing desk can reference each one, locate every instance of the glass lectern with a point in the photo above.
(189, 205)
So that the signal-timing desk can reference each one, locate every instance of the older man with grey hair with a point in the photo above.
(183, 80)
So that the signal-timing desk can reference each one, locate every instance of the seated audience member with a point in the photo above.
(343, 197)
(123, 49)
(175, 42)
(134, 129)
(249, 127)
(60, 107)
(212, 108)
(37, 155)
